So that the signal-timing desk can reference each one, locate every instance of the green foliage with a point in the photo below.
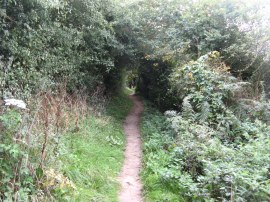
(158, 141)
(61, 149)
(10, 121)
(186, 161)
(211, 96)
(184, 30)
(153, 83)
(55, 50)
(11, 158)
(217, 146)
(205, 151)
(221, 171)
(14, 170)
(201, 88)
(172, 34)
(44, 44)
(92, 157)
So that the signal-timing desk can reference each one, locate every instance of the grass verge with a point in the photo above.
(157, 138)
(93, 156)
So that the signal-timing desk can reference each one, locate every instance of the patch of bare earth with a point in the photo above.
(131, 186)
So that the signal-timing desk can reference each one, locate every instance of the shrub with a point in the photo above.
(217, 147)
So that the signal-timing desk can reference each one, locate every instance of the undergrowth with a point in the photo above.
(31, 137)
(62, 147)
(183, 162)
(216, 148)
(158, 138)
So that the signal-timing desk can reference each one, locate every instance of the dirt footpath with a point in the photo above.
(131, 186)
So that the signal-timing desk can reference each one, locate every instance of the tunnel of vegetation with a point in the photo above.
(206, 63)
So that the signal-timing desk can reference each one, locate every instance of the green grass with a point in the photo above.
(155, 132)
(129, 91)
(94, 155)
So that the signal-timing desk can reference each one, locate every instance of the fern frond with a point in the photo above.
(187, 109)
(205, 112)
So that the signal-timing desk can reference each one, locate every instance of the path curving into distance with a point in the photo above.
(131, 186)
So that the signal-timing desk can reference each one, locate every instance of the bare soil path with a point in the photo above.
(131, 186)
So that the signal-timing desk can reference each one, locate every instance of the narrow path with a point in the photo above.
(131, 186)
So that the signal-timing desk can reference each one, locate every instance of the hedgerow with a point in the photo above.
(206, 151)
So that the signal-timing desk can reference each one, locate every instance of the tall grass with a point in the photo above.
(32, 139)
(93, 156)
(157, 138)
(60, 146)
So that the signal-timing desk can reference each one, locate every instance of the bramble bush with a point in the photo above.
(209, 151)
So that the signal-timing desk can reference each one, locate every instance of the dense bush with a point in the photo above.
(153, 84)
(209, 150)
(196, 165)
(44, 44)
(172, 34)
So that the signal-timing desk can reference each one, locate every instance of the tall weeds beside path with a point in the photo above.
(61, 147)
